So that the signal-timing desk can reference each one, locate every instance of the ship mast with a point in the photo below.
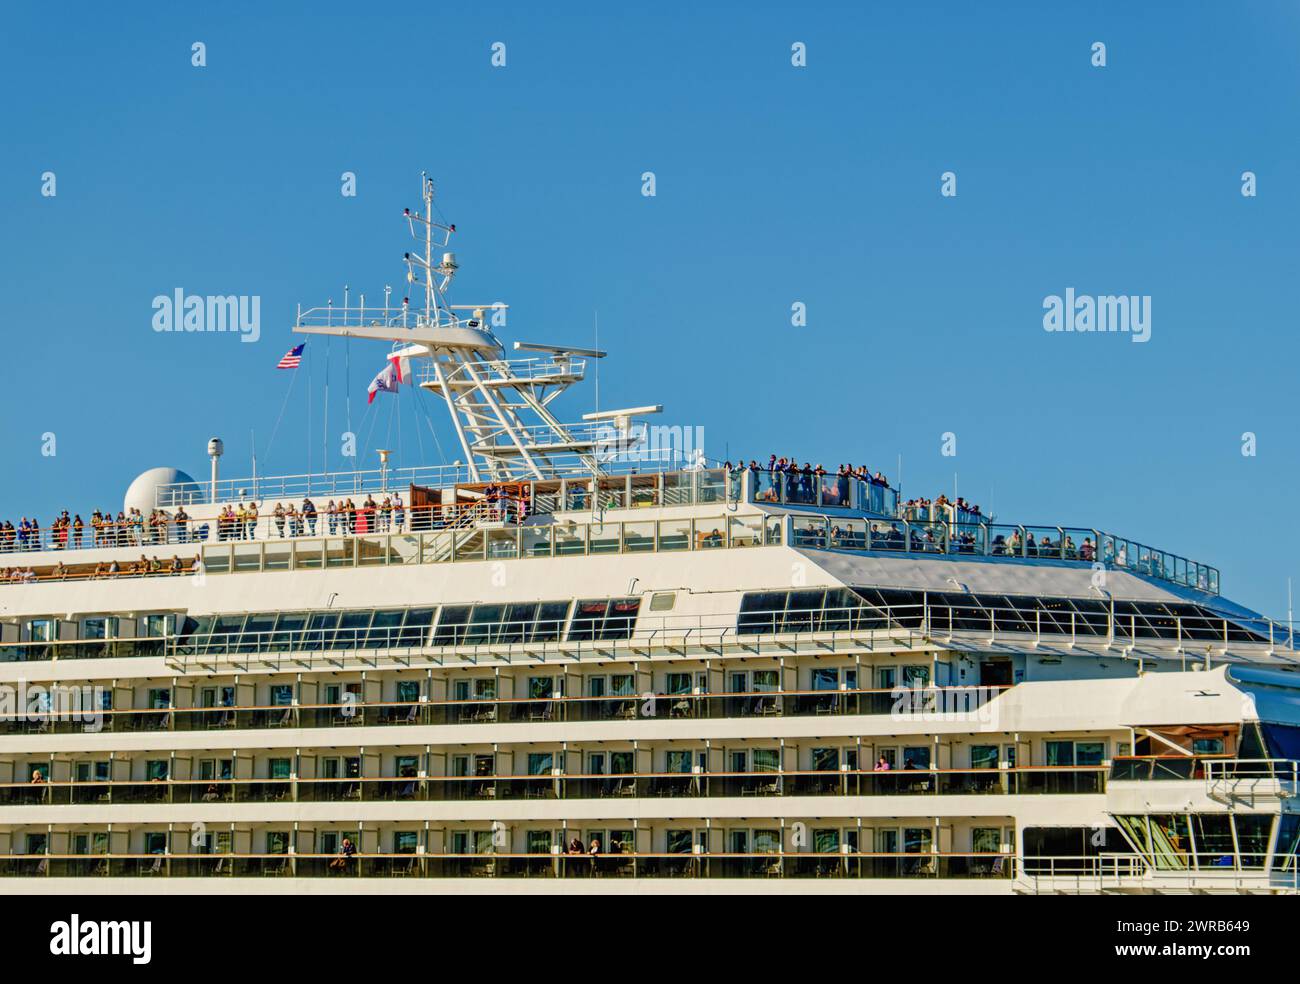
(499, 407)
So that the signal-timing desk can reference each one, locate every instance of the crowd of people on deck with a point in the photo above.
(239, 521)
(110, 569)
(938, 509)
(344, 517)
(800, 484)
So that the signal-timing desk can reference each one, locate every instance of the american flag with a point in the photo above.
(292, 359)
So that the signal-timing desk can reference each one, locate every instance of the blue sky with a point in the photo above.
(775, 184)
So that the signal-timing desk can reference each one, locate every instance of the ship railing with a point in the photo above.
(933, 622)
(914, 705)
(524, 370)
(564, 464)
(1027, 781)
(1214, 769)
(624, 863)
(1208, 871)
(381, 316)
(1079, 545)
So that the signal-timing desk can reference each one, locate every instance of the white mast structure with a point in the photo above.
(499, 407)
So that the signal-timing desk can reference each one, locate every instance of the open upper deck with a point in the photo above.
(830, 511)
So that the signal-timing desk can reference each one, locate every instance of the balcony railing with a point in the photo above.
(1061, 543)
(1029, 781)
(1213, 768)
(923, 703)
(934, 617)
(505, 865)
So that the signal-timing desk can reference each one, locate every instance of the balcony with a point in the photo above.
(904, 703)
(1029, 781)
(510, 866)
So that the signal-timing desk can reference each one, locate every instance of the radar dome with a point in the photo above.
(143, 492)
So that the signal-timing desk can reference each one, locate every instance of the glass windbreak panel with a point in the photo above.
(288, 631)
(638, 537)
(1288, 843)
(1042, 541)
(848, 534)
(621, 618)
(216, 560)
(470, 544)
(838, 610)
(1214, 844)
(484, 624)
(709, 535)
(1135, 828)
(320, 630)
(678, 487)
(536, 541)
(570, 541)
(415, 627)
(451, 625)
(766, 760)
(588, 620)
(338, 553)
(224, 633)
(384, 629)
(1170, 841)
(436, 548)
(765, 486)
(645, 491)
(518, 623)
(887, 535)
(551, 616)
(309, 555)
(248, 556)
(257, 632)
(1173, 767)
(1253, 832)
(761, 612)
(502, 544)
(806, 532)
(603, 538)
(803, 611)
(404, 549)
(712, 485)
(278, 555)
(351, 631)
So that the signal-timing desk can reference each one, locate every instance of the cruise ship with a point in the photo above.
(574, 662)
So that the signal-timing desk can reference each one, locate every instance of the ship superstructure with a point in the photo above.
(572, 663)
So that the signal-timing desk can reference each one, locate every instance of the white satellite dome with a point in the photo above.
(143, 492)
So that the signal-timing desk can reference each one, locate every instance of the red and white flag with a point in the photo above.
(397, 359)
(385, 382)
